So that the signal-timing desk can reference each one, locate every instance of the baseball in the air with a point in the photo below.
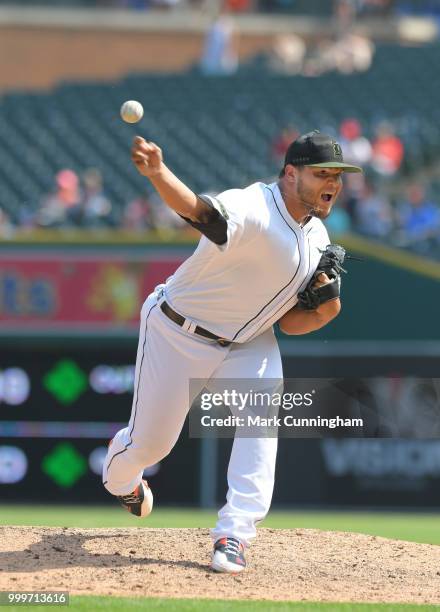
(132, 111)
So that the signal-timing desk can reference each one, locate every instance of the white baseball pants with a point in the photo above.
(168, 357)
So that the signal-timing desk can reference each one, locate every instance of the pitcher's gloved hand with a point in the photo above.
(325, 284)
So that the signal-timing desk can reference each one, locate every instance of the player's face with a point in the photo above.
(319, 188)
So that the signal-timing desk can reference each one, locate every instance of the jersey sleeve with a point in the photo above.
(230, 222)
(216, 227)
(232, 205)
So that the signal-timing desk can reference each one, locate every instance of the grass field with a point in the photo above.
(212, 605)
(415, 527)
(91, 603)
(121, 604)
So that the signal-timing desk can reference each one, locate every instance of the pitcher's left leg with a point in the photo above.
(251, 470)
(251, 476)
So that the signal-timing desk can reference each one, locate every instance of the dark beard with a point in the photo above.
(320, 214)
(307, 197)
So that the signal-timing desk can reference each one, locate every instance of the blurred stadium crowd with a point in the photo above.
(404, 212)
(315, 8)
(64, 155)
(381, 204)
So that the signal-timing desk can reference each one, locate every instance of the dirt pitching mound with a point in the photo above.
(296, 564)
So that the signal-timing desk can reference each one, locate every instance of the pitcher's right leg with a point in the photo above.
(167, 358)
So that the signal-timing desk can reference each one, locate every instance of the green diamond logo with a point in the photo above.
(64, 464)
(66, 381)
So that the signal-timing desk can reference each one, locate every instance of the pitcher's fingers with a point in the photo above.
(138, 140)
(323, 278)
(140, 144)
(141, 164)
(141, 148)
(149, 145)
(138, 155)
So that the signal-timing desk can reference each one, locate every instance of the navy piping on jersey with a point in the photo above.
(282, 305)
(291, 280)
(137, 393)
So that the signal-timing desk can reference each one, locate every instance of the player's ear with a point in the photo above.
(291, 173)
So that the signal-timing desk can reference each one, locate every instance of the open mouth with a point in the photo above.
(326, 197)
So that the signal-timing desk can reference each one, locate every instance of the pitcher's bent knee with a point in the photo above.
(151, 455)
(135, 458)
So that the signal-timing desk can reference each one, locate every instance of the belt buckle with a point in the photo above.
(223, 342)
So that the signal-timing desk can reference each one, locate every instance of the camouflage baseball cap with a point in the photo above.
(319, 151)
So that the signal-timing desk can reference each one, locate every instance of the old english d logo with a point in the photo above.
(223, 210)
(337, 149)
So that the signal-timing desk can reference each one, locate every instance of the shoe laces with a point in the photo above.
(232, 546)
(131, 498)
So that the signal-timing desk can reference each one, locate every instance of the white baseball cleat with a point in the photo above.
(140, 502)
(228, 556)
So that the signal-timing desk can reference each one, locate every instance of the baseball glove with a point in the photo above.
(330, 264)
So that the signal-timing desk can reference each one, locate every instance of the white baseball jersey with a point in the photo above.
(241, 288)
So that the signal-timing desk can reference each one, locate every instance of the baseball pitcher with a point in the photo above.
(263, 257)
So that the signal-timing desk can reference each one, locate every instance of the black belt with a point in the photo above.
(180, 320)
